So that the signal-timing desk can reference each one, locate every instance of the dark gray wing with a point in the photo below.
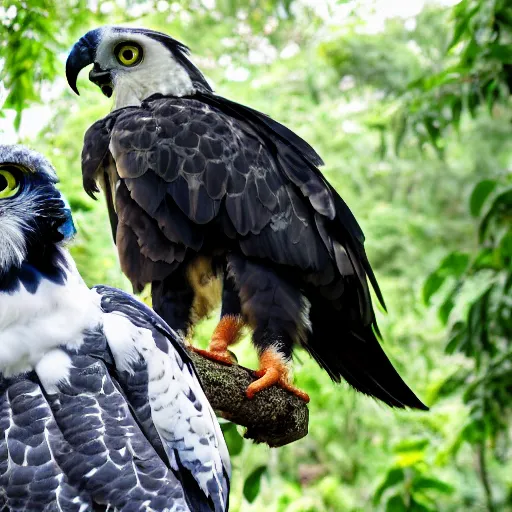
(300, 163)
(161, 384)
(73, 437)
(31, 477)
(200, 172)
(189, 173)
(106, 454)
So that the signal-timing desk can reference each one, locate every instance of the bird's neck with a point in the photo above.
(44, 263)
(132, 89)
(43, 304)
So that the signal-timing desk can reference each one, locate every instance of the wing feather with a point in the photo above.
(157, 375)
(106, 454)
(31, 477)
(234, 168)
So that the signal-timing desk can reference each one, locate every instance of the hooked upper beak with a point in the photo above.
(82, 55)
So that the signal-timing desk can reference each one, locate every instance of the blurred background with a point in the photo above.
(408, 103)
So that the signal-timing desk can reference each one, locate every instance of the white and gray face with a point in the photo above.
(32, 210)
(133, 64)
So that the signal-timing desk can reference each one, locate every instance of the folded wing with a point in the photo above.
(116, 421)
(159, 380)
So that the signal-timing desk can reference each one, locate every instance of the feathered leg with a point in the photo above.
(172, 299)
(229, 328)
(276, 311)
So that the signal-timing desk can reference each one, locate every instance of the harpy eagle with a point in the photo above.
(100, 406)
(189, 175)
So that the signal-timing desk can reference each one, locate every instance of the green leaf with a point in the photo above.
(456, 112)
(410, 459)
(461, 28)
(252, 483)
(446, 308)
(506, 245)
(491, 94)
(500, 207)
(434, 134)
(486, 259)
(473, 432)
(457, 336)
(471, 52)
(479, 195)
(393, 477)
(411, 445)
(396, 504)
(400, 132)
(455, 264)
(501, 52)
(17, 119)
(418, 506)
(453, 383)
(432, 284)
(383, 146)
(429, 483)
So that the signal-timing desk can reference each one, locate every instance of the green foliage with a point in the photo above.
(358, 96)
(476, 72)
(479, 314)
(480, 193)
(233, 438)
(31, 40)
(409, 484)
(252, 483)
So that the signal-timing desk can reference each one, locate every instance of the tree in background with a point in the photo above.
(400, 114)
(474, 286)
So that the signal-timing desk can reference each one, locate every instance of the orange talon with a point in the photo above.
(221, 357)
(273, 371)
(225, 334)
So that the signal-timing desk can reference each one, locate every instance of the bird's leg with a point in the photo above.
(229, 328)
(274, 370)
(172, 299)
(274, 308)
(225, 334)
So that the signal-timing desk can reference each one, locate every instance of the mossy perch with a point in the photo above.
(274, 416)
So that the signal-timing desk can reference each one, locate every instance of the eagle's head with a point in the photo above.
(34, 216)
(134, 63)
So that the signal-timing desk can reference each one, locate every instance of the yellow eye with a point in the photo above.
(128, 54)
(9, 185)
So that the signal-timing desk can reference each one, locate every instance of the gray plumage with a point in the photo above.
(100, 406)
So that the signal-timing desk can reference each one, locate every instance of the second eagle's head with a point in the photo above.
(134, 63)
(34, 216)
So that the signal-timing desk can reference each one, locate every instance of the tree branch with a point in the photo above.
(274, 416)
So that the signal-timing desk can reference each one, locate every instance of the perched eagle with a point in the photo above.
(100, 406)
(190, 176)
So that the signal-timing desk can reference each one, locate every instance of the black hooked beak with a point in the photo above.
(82, 55)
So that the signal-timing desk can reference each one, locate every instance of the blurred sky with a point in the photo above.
(373, 12)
